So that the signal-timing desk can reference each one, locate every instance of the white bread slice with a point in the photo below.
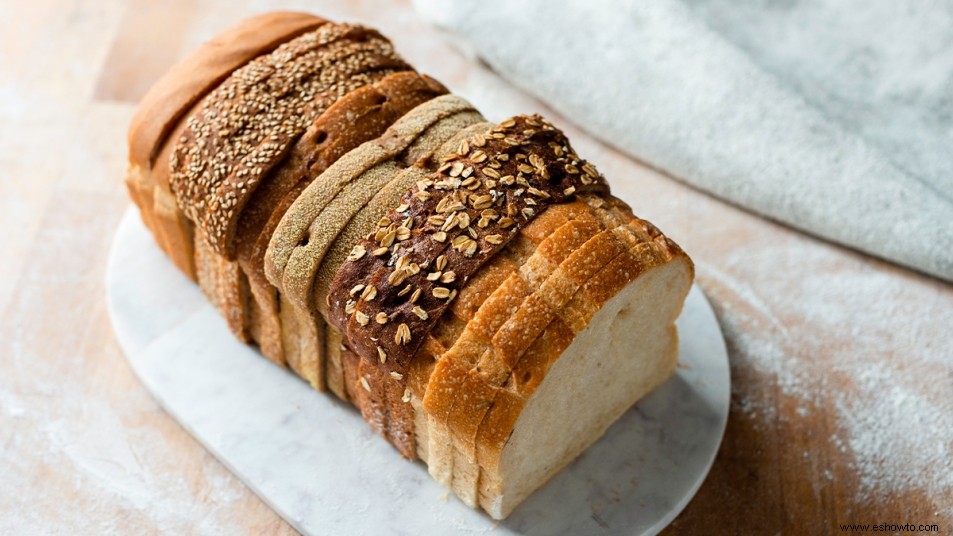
(629, 348)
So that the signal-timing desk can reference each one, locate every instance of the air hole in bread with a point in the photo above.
(380, 99)
(304, 240)
(320, 137)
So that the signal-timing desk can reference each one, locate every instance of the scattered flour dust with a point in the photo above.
(865, 343)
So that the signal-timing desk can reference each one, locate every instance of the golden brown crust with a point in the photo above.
(511, 319)
(498, 422)
(188, 81)
(160, 114)
(480, 385)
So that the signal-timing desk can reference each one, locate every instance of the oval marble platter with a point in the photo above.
(313, 460)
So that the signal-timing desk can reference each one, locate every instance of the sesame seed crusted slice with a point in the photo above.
(466, 211)
(249, 122)
(194, 76)
(270, 153)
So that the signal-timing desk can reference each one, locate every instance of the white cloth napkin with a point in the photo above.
(834, 116)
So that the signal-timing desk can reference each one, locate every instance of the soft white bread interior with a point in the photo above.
(629, 348)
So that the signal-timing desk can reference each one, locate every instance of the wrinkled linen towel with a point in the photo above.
(833, 116)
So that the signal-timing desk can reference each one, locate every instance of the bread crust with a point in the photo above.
(249, 123)
(188, 81)
(169, 100)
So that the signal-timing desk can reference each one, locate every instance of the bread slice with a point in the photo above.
(365, 220)
(565, 232)
(610, 302)
(247, 125)
(169, 100)
(602, 362)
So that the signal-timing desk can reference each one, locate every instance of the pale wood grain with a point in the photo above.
(85, 449)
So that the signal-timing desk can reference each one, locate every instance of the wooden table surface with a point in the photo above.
(842, 398)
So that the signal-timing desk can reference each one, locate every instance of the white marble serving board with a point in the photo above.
(315, 462)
